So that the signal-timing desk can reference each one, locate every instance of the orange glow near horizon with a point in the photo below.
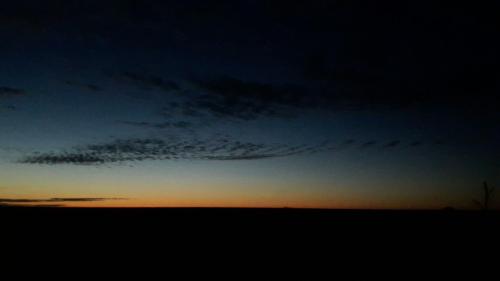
(231, 203)
(222, 195)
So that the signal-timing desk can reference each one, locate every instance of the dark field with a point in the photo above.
(278, 231)
(249, 219)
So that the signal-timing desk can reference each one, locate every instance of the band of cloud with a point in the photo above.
(156, 149)
(222, 149)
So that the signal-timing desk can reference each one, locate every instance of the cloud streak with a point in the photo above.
(84, 86)
(11, 92)
(232, 98)
(161, 125)
(220, 149)
(56, 200)
(50, 202)
(131, 150)
(147, 82)
(7, 92)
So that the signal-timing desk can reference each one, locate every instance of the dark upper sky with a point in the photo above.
(249, 103)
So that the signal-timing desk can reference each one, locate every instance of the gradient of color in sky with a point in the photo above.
(327, 104)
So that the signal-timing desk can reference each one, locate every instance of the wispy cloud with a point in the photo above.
(9, 92)
(368, 144)
(56, 200)
(10, 107)
(226, 98)
(326, 87)
(392, 144)
(146, 81)
(66, 158)
(246, 100)
(85, 86)
(222, 149)
(416, 143)
(129, 150)
(160, 125)
(50, 202)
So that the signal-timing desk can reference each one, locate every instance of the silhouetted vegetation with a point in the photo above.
(487, 196)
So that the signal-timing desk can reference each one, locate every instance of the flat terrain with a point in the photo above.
(212, 219)
(120, 230)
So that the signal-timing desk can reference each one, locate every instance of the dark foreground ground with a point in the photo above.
(259, 221)
(265, 232)
(185, 234)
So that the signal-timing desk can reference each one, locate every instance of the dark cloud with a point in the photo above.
(8, 92)
(332, 88)
(137, 124)
(212, 100)
(229, 97)
(181, 124)
(349, 142)
(130, 150)
(85, 86)
(56, 200)
(368, 144)
(357, 55)
(222, 148)
(8, 202)
(65, 158)
(147, 82)
(416, 143)
(44, 205)
(83, 199)
(8, 108)
(350, 56)
(241, 157)
(392, 144)
(162, 125)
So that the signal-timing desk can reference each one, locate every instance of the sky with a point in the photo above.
(316, 104)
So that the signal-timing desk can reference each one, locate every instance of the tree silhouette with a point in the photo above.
(488, 193)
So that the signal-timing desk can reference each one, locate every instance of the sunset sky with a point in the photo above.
(324, 104)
